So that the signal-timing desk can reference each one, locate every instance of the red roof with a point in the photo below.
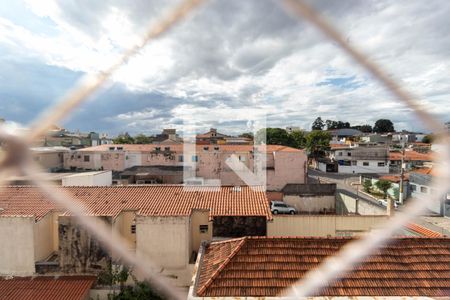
(425, 171)
(179, 148)
(423, 231)
(46, 288)
(265, 266)
(149, 200)
(411, 155)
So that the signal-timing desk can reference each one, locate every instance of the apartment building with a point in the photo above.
(360, 160)
(284, 165)
(51, 159)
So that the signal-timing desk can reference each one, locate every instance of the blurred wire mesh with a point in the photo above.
(17, 157)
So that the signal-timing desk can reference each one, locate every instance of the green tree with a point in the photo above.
(428, 139)
(123, 138)
(248, 135)
(317, 142)
(318, 124)
(142, 139)
(383, 126)
(297, 139)
(140, 291)
(384, 186)
(367, 185)
(273, 136)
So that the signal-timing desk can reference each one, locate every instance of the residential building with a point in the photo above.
(283, 164)
(411, 159)
(51, 159)
(360, 160)
(377, 138)
(345, 135)
(163, 223)
(265, 267)
(105, 139)
(167, 136)
(210, 137)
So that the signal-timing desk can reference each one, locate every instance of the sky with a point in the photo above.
(228, 65)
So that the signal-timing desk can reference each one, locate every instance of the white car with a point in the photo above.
(279, 207)
(384, 203)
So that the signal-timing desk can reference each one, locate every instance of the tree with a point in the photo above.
(142, 139)
(383, 126)
(363, 128)
(367, 185)
(297, 139)
(318, 124)
(317, 142)
(248, 135)
(140, 291)
(428, 139)
(123, 138)
(383, 185)
(273, 136)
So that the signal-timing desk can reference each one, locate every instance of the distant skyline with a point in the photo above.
(228, 60)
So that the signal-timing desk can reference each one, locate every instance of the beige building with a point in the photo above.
(283, 164)
(51, 159)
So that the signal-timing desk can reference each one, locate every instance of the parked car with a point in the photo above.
(384, 203)
(279, 207)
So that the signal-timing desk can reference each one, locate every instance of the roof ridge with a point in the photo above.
(222, 265)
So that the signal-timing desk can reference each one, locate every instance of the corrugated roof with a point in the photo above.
(149, 200)
(179, 148)
(411, 156)
(266, 266)
(46, 288)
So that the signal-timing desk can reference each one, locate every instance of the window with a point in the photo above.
(180, 158)
(423, 189)
(413, 187)
(206, 148)
(280, 205)
(166, 148)
(133, 228)
(111, 148)
(86, 158)
(194, 158)
(353, 162)
(216, 148)
(79, 156)
(365, 163)
(381, 164)
(119, 148)
(203, 228)
(349, 154)
(158, 148)
(340, 153)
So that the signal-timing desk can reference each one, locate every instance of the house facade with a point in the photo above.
(283, 164)
(360, 160)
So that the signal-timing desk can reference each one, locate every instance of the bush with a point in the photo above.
(367, 185)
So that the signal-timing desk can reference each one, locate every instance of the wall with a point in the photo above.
(164, 240)
(289, 168)
(322, 225)
(311, 204)
(200, 217)
(88, 179)
(122, 224)
(346, 204)
(44, 243)
(17, 246)
(79, 251)
(361, 169)
(49, 160)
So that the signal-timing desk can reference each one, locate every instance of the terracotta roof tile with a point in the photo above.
(46, 288)
(151, 200)
(266, 266)
(422, 230)
(411, 156)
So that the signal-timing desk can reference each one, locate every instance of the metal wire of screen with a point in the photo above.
(17, 157)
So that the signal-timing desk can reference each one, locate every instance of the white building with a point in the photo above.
(362, 160)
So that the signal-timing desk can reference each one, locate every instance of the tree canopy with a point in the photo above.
(318, 124)
(317, 142)
(383, 126)
(331, 124)
(123, 138)
(383, 185)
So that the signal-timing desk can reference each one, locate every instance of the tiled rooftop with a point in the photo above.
(46, 288)
(266, 266)
(411, 156)
(179, 148)
(151, 200)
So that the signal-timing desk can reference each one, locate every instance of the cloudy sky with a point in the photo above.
(227, 63)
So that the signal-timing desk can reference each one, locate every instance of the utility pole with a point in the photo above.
(400, 195)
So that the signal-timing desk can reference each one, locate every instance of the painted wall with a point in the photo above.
(164, 240)
(44, 243)
(311, 204)
(17, 246)
(360, 168)
(49, 160)
(89, 179)
(322, 225)
(346, 204)
(200, 217)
